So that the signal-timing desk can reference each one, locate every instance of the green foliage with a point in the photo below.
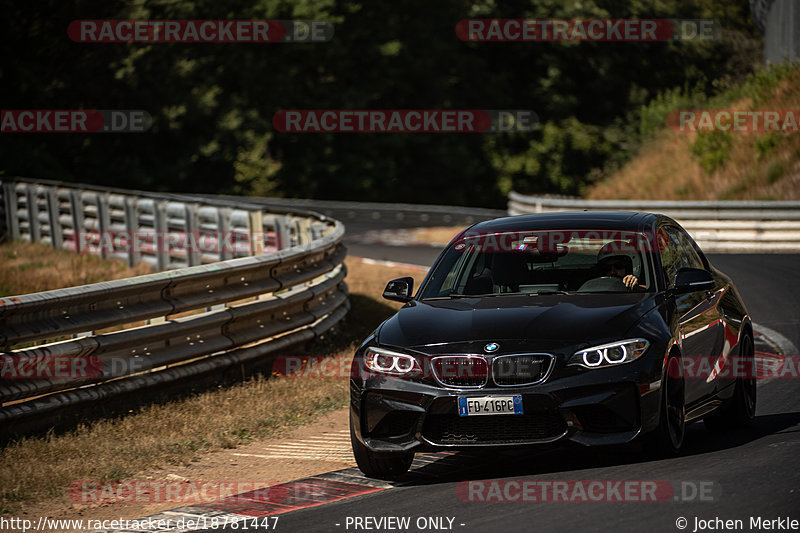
(712, 149)
(758, 85)
(768, 142)
(654, 114)
(776, 171)
(552, 159)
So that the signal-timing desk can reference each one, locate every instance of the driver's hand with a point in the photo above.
(630, 281)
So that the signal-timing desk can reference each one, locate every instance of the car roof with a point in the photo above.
(601, 220)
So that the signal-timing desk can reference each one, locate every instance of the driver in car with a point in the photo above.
(611, 261)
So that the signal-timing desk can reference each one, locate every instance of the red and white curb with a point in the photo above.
(333, 446)
(251, 509)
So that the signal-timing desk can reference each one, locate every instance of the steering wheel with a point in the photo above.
(604, 284)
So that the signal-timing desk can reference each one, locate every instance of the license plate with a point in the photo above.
(489, 405)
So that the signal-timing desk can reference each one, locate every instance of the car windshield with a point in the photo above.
(541, 262)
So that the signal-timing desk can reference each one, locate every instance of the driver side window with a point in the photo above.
(673, 253)
(693, 259)
(676, 252)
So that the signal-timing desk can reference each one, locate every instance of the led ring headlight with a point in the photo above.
(593, 357)
(388, 362)
(619, 354)
(614, 353)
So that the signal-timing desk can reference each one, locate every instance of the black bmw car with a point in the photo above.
(587, 327)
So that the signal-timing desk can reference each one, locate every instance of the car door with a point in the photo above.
(701, 333)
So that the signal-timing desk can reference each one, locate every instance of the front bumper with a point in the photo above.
(589, 407)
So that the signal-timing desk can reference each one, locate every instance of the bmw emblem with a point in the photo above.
(491, 347)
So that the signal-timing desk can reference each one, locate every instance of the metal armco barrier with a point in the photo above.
(285, 287)
(401, 214)
(736, 227)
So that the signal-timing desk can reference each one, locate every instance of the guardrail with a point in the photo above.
(285, 287)
(755, 227)
(407, 215)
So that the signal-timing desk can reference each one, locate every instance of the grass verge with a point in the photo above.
(27, 267)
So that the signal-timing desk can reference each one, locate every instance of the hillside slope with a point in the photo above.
(676, 165)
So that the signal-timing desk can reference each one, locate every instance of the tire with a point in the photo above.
(379, 465)
(667, 439)
(740, 410)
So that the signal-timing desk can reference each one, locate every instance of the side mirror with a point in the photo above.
(399, 289)
(693, 280)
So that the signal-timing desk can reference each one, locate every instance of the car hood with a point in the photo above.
(556, 319)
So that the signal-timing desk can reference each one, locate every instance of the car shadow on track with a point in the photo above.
(470, 465)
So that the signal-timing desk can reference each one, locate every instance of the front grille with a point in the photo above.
(500, 429)
(521, 369)
(461, 370)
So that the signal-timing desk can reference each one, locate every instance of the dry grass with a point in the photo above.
(33, 267)
(369, 280)
(759, 166)
(36, 469)
(109, 450)
(441, 235)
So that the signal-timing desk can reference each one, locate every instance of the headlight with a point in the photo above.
(389, 362)
(615, 353)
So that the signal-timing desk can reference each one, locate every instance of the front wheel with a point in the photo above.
(379, 465)
(666, 440)
(740, 410)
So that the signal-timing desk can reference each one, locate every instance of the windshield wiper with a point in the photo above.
(453, 295)
(544, 292)
(488, 295)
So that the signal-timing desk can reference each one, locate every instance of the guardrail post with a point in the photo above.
(76, 208)
(103, 221)
(193, 234)
(12, 217)
(56, 232)
(256, 227)
(297, 239)
(304, 231)
(223, 227)
(160, 223)
(282, 231)
(33, 213)
(131, 226)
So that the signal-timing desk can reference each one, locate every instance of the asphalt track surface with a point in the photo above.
(743, 475)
